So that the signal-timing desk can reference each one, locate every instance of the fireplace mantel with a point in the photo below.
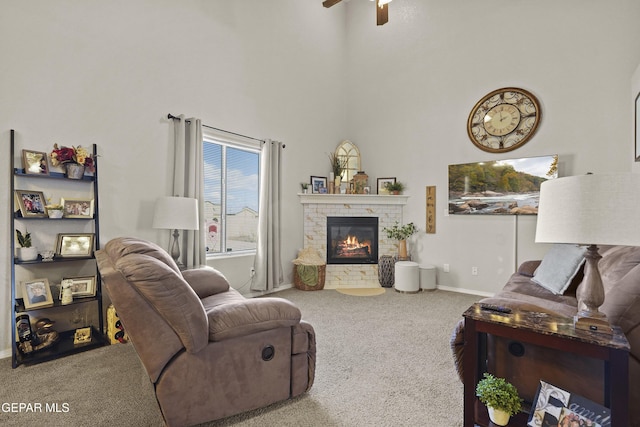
(353, 199)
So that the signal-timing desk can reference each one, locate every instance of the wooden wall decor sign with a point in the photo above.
(431, 209)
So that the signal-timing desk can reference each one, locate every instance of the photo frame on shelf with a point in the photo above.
(36, 293)
(75, 245)
(318, 183)
(32, 203)
(81, 287)
(35, 162)
(77, 208)
(82, 336)
(382, 182)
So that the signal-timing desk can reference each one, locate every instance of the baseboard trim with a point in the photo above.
(465, 291)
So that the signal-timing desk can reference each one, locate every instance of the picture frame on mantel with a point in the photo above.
(637, 128)
(318, 183)
(382, 182)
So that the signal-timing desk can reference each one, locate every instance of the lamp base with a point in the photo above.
(592, 324)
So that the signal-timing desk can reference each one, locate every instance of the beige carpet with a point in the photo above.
(362, 292)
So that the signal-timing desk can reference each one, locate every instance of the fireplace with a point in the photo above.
(352, 240)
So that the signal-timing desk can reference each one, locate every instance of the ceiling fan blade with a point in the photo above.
(382, 13)
(329, 3)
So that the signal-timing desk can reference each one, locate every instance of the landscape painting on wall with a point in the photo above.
(500, 187)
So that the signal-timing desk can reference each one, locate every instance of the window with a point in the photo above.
(231, 192)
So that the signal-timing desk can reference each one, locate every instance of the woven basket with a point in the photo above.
(299, 284)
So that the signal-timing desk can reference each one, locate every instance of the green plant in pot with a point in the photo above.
(401, 233)
(26, 252)
(304, 186)
(500, 397)
(394, 187)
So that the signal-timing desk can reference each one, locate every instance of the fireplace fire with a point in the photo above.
(352, 240)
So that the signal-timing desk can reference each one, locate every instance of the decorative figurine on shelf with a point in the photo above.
(66, 293)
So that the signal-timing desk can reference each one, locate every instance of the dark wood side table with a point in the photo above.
(550, 331)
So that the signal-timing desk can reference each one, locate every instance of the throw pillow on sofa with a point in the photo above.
(559, 266)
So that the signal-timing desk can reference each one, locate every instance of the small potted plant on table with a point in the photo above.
(500, 397)
(401, 234)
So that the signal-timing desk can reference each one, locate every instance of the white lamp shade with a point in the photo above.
(590, 209)
(176, 213)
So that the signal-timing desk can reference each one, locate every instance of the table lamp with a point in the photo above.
(176, 213)
(590, 210)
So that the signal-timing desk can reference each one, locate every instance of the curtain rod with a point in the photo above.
(171, 116)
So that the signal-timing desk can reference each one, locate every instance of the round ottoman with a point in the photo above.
(407, 277)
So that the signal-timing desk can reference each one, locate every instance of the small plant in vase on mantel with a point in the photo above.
(500, 397)
(26, 252)
(394, 187)
(401, 234)
(338, 165)
(305, 187)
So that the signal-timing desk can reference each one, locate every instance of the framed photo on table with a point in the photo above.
(35, 162)
(36, 293)
(318, 183)
(77, 208)
(75, 245)
(32, 204)
(382, 182)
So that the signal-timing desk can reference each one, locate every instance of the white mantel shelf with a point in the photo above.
(353, 199)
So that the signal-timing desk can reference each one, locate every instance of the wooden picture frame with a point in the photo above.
(317, 183)
(36, 293)
(75, 245)
(32, 203)
(382, 182)
(35, 162)
(81, 287)
(77, 208)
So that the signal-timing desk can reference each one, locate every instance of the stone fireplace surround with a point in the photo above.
(316, 209)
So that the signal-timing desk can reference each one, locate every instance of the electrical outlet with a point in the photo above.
(252, 271)
(474, 271)
(445, 268)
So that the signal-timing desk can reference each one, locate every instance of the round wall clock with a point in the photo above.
(504, 120)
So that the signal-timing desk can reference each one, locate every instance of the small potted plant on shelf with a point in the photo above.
(305, 187)
(54, 210)
(401, 234)
(74, 159)
(26, 252)
(500, 397)
(394, 187)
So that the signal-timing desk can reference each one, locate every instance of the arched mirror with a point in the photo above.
(348, 151)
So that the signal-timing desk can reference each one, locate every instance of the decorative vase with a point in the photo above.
(402, 250)
(498, 416)
(386, 276)
(28, 254)
(74, 170)
(55, 213)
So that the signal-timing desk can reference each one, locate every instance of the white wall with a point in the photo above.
(413, 82)
(82, 72)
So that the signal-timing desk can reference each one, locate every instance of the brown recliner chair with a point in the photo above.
(209, 352)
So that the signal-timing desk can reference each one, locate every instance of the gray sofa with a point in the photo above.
(620, 271)
(209, 352)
